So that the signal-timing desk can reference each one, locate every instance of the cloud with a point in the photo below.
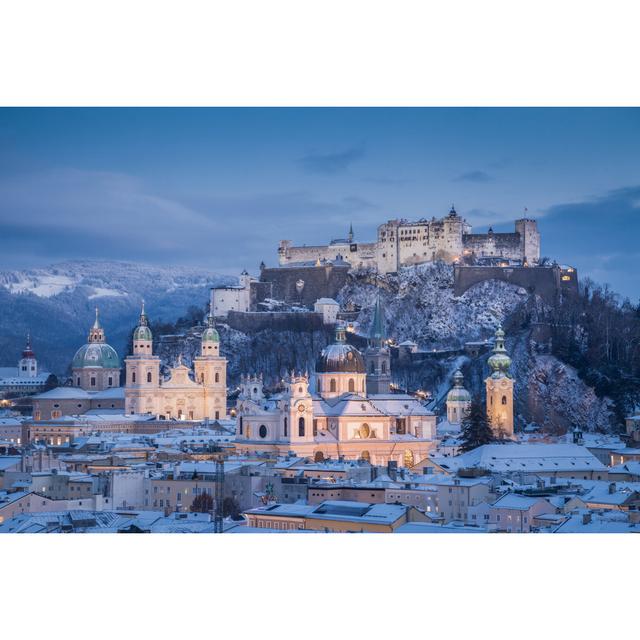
(598, 236)
(474, 176)
(331, 163)
(75, 214)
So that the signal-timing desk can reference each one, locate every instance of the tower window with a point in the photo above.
(217, 377)
(301, 427)
(240, 426)
(332, 385)
(352, 385)
(110, 382)
(133, 376)
(93, 382)
(262, 431)
(504, 399)
(285, 426)
(372, 368)
(384, 367)
(148, 376)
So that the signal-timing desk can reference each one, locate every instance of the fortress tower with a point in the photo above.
(529, 240)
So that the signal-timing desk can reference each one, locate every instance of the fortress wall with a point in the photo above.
(319, 282)
(275, 320)
(544, 281)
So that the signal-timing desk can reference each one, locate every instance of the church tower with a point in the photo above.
(499, 386)
(142, 371)
(28, 366)
(377, 356)
(458, 400)
(210, 371)
(298, 413)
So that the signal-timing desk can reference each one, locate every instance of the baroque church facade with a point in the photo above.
(196, 393)
(345, 410)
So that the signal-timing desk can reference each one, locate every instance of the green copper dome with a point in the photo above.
(142, 331)
(499, 362)
(210, 334)
(96, 354)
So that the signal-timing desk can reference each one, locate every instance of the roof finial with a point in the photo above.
(96, 324)
(351, 232)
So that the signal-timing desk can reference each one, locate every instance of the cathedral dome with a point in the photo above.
(96, 354)
(340, 357)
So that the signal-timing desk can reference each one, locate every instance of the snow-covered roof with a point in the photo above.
(327, 301)
(6, 462)
(516, 501)
(525, 457)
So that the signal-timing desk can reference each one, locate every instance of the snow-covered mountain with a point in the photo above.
(56, 304)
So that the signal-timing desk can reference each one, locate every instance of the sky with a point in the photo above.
(218, 188)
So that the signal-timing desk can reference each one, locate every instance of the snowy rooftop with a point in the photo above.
(525, 457)
(516, 501)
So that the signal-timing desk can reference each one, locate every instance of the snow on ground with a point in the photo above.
(41, 283)
(102, 292)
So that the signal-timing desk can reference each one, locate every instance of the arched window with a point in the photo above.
(332, 385)
(408, 458)
(133, 376)
(110, 381)
(504, 399)
(364, 431)
(93, 382)
(286, 425)
(148, 376)
(301, 427)
(262, 431)
(240, 426)
(217, 378)
(384, 367)
(352, 385)
(372, 367)
(78, 382)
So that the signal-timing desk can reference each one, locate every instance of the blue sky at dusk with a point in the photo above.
(219, 188)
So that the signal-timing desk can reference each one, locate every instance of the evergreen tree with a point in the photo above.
(203, 503)
(476, 430)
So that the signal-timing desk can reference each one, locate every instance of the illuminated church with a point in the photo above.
(187, 393)
(350, 411)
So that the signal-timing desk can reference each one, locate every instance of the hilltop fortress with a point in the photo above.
(402, 243)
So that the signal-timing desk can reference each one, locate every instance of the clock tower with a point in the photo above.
(499, 386)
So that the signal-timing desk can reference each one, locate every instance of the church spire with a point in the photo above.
(377, 333)
(96, 334)
(350, 236)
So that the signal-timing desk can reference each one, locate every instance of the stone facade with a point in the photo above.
(402, 243)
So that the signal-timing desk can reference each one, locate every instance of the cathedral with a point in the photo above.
(345, 410)
(187, 394)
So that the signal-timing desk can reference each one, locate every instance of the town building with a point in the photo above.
(225, 298)
(26, 378)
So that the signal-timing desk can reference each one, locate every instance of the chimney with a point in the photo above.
(392, 469)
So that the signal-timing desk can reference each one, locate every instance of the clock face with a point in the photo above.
(301, 408)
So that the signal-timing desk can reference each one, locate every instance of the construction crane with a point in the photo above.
(218, 491)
